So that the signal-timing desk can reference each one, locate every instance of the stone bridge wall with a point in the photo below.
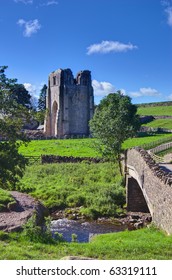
(155, 184)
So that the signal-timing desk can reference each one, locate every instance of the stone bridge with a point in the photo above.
(149, 188)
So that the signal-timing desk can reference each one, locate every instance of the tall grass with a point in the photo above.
(98, 188)
(5, 199)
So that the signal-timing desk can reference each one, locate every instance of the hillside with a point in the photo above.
(161, 113)
(155, 110)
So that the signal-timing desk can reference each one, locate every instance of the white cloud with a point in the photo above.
(52, 2)
(145, 92)
(123, 91)
(48, 3)
(169, 16)
(34, 90)
(110, 46)
(168, 10)
(170, 97)
(24, 1)
(31, 89)
(30, 27)
(102, 88)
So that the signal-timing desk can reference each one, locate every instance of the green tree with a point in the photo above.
(115, 119)
(21, 95)
(42, 99)
(12, 118)
(16, 92)
(42, 105)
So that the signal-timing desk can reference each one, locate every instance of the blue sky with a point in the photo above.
(126, 44)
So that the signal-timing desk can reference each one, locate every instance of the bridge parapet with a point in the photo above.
(155, 184)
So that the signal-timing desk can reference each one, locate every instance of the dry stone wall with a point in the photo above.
(65, 159)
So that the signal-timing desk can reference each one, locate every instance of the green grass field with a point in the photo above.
(82, 147)
(155, 111)
(66, 147)
(162, 123)
(143, 244)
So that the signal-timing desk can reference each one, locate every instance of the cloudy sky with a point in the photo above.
(126, 44)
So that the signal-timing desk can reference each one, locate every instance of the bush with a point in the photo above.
(4, 236)
(34, 233)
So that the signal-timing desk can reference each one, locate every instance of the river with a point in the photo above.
(83, 230)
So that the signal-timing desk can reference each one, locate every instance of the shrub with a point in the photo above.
(5, 199)
(34, 233)
(4, 236)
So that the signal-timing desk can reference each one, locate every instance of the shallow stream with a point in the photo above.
(83, 230)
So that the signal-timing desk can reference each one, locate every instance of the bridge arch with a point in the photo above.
(144, 178)
(136, 201)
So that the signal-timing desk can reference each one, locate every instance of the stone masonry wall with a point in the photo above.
(156, 184)
(65, 159)
(69, 103)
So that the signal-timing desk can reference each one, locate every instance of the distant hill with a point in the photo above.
(156, 109)
(155, 104)
(157, 115)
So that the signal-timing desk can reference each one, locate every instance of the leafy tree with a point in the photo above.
(42, 105)
(114, 121)
(21, 95)
(17, 92)
(42, 99)
(12, 118)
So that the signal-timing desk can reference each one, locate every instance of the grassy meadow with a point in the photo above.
(83, 147)
(155, 111)
(162, 123)
(97, 188)
(63, 147)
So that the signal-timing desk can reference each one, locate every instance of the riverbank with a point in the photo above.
(19, 212)
(25, 207)
(143, 244)
(70, 222)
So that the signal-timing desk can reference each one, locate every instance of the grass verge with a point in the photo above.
(143, 244)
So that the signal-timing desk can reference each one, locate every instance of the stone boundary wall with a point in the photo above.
(65, 159)
(156, 184)
(162, 147)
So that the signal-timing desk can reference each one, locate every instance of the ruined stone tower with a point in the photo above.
(70, 103)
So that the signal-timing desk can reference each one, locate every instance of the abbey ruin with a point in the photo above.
(69, 103)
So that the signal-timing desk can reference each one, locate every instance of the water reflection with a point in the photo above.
(84, 230)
